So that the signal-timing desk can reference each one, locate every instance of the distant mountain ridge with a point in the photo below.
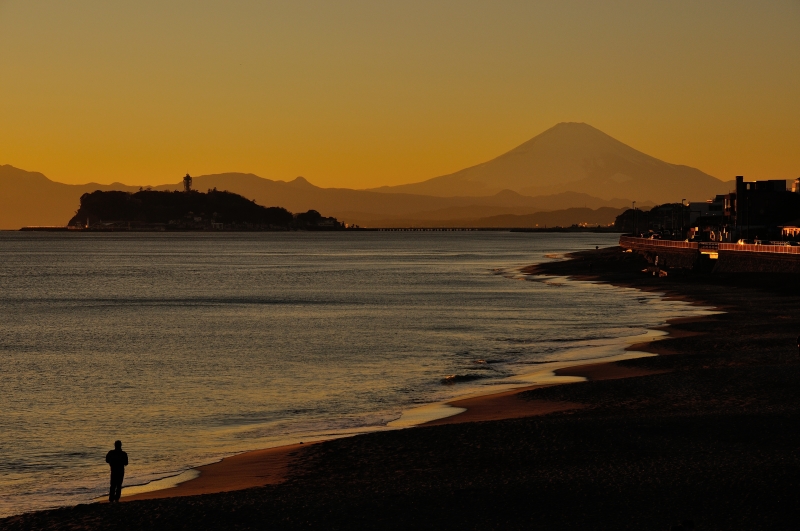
(570, 166)
(579, 158)
(30, 198)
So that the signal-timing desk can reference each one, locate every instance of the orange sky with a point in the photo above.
(367, 93)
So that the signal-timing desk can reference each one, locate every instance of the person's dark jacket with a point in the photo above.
(117, 459)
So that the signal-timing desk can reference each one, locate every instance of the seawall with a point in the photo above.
(716, 257)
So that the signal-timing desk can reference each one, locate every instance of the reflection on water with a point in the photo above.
(188, 347)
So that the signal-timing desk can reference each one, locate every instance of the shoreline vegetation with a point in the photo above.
(703, 436)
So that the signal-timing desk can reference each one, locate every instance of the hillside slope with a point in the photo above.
(575, 157)
(29, 198)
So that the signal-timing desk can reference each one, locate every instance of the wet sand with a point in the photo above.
(241, 471)
(610, 371)
(512, 405)
(271, 466)
(707, 432)
(501, 406)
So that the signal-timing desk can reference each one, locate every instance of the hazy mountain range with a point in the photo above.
(568, 172)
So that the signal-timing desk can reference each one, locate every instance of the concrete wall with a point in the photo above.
(743, 262)
(734, 259)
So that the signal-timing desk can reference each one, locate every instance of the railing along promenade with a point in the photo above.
(632, 242)
(646, 243)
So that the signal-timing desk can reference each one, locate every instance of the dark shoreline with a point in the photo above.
(707, 432)
(595, 230)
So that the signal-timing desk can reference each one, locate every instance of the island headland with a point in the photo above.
(703, 436)
(152, 210)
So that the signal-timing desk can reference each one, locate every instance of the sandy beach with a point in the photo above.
(272, 466)
(249, 469)
(702, 436)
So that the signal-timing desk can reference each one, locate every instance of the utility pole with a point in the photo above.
(635, 232)
(683, 216)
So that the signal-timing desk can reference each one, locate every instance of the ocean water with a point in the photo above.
(190, 347)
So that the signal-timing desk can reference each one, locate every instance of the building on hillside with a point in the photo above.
(668, 220)
(755, 209)
(712, 208)
(760, 207)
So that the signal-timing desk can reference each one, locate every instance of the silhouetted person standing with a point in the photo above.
(117, 460)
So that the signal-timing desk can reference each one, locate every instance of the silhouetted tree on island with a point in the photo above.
(310, 218)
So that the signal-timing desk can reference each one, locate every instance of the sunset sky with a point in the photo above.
(367, 93)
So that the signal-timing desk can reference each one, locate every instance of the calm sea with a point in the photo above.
(189, 347)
